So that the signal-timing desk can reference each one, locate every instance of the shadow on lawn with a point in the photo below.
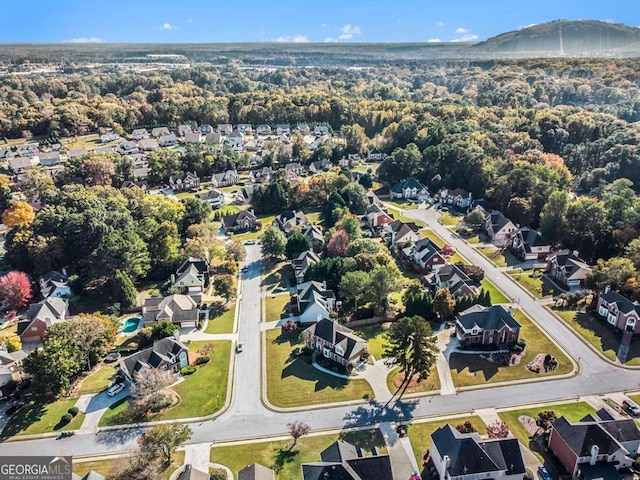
(609, 339)
(282, 456)
(301, 369)
(292, 339)
(365, 439)
(376, 412)
(33, 410)
(474, 363)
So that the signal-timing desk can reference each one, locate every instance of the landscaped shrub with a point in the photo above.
(522, 343)
(188, 370)
(202, 360)
(73, 411)
(517, 348)
(66, 418)
(159, 402)
(217, 474)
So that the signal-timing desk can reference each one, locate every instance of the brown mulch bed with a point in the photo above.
(398, 380)
(537, 364)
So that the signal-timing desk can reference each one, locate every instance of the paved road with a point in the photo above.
(248, 418)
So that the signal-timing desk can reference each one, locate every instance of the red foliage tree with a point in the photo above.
(497, 429)
(15, 289)
(338, 243)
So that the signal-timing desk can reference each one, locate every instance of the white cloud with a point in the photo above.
(189, 20)
(323, 25)
(440, 24)
(349, 29)
(345, 36)
(466, 38)
(168, 26)
(85, 40)
(293, 39)
(434, 40)
(461, 30)
(330, 40)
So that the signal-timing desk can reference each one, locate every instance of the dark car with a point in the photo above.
(544, 473)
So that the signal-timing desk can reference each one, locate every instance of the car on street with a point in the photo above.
(240, 347)
(115, 389)
(279, 290)
(250, 242)
(543, 473)
(631, 407)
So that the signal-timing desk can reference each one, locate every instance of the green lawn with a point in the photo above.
(493, 255)
(432, 383)
(292, 382)
(285, 462)
(496, 295)
(275, 306)
(396, 213)
(434, 237)
(98, 379)
(420, 433)
(222, 323)
(450, 219)
(9, 331)
(38, 416)
(110, 467)
(457, 258)
(314, 217)
(534, 282)
(374, 335)
(270, 281)
(265, 220)
(599, 334)
(469, 370)
(200, 393)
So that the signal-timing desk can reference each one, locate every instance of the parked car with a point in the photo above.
(631, 407)
(240, 347)
(250, 242)
(544, 473)
(116, 389)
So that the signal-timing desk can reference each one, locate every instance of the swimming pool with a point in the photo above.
(130, 325)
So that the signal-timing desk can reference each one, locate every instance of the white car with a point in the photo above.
(240, 348)
(116, 389)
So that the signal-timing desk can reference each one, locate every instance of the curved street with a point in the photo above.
(247, 417)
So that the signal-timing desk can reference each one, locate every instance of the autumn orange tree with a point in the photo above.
(19, 214)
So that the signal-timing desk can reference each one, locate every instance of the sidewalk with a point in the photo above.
(403, 462)
(442, 364)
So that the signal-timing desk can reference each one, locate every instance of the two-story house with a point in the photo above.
(334, 341)
(128, 147)
(314, 234)
(184, 181)
(465, 456)
(619, 311)
(290, 219)
(376, 218)
(429, 257)
(314, 302)
(224, 128)
(158, 132)
(457, 197)
(263, 129)
(452, 277)
(239, 222)
(168, 140)
(487, 326)
(40, 317)
(344, 461)
(214, 197)
(191, 276)
(179, 309)
(409, 189)
(567, 269)
(165, 354)
(302, 262)
(527, 244)
(139, 134)
(55, 284)
(499, 229)
(225, 179)
(148, 144)
(399, 233)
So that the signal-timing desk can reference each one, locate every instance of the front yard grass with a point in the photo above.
(432, 383)
(265, 220)
(375, 337)
(457, 258)
(599, 334)
(110, 467)
(534, 282)
(286, 462)
(40, 415)
(493, 255)
(222, 322)
(468, 370)
(450, 219)
(292, 382)
(496, 295)
(200, 393)
(420, 433)
(270, 277)
(396, 213)
(434, 237)
(276, 306)
(98, 379)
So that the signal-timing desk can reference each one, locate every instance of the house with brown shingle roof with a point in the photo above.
(179, 309)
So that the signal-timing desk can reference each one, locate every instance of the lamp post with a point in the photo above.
(218, 401)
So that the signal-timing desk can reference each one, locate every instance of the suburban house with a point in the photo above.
(343, 461)
(192, 473)
(225, 179)
(399, 233)
(465, 456)
(320, 130)
(10, 366)
(129, 184)
(283, 129)
(109, 137)
(213, 137)
(165, 354)
(28, 149)
(303, 128)
(245, 128)
(314, 234)
(179, 309)
(567, 269)
(314, 302)
(223, 129)
(499, 228)
(487, 326)
(375, 217)
(55, 284)
(168, 140)
(619, 311)
(139, 134)
(409, 189)
(214, 197)
(375, 155)
(184, 181)
(50, 159)
(302, 262)
(334, 341)
(261, 175)
(255, 471)
(182, 130)
(428, 256)
(159, 132)
(457, 197)
(373, 198)
(147, 144)
(193, 137)
(239, 222)
(593, 449)
(263, 129)
(40, 317)
(294, 167)
(21, 164)
(245, 194)
(81, 152)
(527, 244)
(234, 139)
(320, 166)
(290, 219)
(6, 153)
(452, 277)
(191, 276)
(127, 147)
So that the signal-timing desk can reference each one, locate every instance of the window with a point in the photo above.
(339, 351)
(327, 353)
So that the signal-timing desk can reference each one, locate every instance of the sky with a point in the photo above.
(212, 21)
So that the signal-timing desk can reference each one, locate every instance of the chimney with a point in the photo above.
(594, 454)
(607, 289)
(446, 462)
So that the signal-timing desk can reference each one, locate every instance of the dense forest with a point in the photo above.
(552, 143)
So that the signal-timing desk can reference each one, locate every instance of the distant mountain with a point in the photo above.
(565, 37)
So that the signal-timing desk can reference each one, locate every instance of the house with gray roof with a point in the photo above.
(21, 164)
(527, 244)
(457, 197)
(225, 179)
(179, 309)
(409, 189)
(139, 134)
(127, 147)
(50, 159)
(619, 311)
(166, 354)
(55, 284)
(344, 461)
(159, 132)
(191, 277)
(499, 229)
(399, 233)
(255, 471)
(10, 368)
(148, 144)
(92, 475)
(40, 317)
(452, 277)
(302, 262)
(429, 257)
(334, 341)
(184, 181)
(493, 326)
(315, 236)
(465, 456)
(314, 302)
(290, 219)
(168, 140)
(567, 269)
(239, 222)
(213, 197)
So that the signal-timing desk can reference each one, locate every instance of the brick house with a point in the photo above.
(567, 269)
(527, 244)
(40, 317)
(165, 354)
(619, 311)
(376, 217)
(184, 181)
(428, 256)
(239, 222)
(458, 197)
(487, 326)
(592, 448)
(452, 277)
(334, 341)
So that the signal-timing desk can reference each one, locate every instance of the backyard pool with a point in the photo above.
(130, 325)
